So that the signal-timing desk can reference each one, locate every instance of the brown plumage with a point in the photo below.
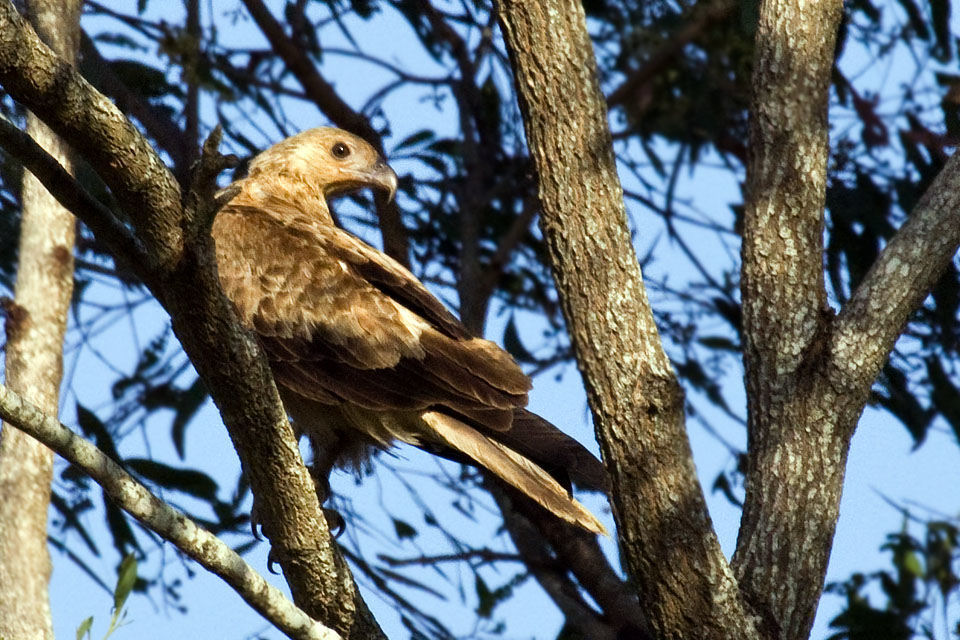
(362, 353)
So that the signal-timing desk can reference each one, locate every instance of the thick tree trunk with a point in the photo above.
(36, 322)
(684, 583)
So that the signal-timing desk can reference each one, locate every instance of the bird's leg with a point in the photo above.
(256, 522)
(325, 455)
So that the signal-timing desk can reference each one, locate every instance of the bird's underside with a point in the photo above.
(362, 353)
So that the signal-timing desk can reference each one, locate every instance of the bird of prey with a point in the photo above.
(362, 353)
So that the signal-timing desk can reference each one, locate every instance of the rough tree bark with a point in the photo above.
(36, 322)
(684, 582)
(798, 424)
(809, 373)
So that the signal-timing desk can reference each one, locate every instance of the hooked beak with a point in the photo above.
(383, 176)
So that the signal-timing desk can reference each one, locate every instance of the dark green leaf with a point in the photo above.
(403, 529)
(72, 521)
(414, 139)
(513, 344)
(940, 20)
(91, 426)
(945, 396)
(120, 531)
(186, 406)
(720, 343)
(190, 481)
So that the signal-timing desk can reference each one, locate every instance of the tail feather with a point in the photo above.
(511, 467)
(559, 454)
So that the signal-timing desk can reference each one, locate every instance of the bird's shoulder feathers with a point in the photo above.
(336, 313)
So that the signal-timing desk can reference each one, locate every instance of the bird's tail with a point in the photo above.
(557, 453)
(511, 467)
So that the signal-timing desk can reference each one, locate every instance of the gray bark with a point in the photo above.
(36, 322)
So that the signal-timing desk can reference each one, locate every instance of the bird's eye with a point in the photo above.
(340, 150)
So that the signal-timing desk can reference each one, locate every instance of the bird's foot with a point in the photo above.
(335, 522)
(256, 524)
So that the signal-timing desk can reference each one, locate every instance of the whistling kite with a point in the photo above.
(362, 353)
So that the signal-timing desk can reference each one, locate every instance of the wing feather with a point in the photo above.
(352, 320)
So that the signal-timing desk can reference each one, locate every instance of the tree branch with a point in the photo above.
(34, 76)
(581, 553)
(547, 571)
(484, 556)
(164, 131)
(169, 523)
(899, 280)
(798, 425)
(34, 359)
(58, 181)
(184, 279)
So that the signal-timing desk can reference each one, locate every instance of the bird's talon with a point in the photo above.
(335, 522)
(271, 561)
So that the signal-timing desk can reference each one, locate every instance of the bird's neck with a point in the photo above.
(281, 198)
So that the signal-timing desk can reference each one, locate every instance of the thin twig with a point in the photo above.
(484, 555)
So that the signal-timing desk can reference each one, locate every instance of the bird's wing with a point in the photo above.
(344, 322)
(393, 279)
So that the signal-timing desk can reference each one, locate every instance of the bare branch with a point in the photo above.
(796, 447)
(583, 556)
(71, 195)
(906, 270)
(672, 553)
(34, 76)
(485, 556)
(34, 359)
(549, 574)
(169, 523)
(164, 131)
(184, 279)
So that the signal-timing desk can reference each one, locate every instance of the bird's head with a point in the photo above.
(330, 160)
